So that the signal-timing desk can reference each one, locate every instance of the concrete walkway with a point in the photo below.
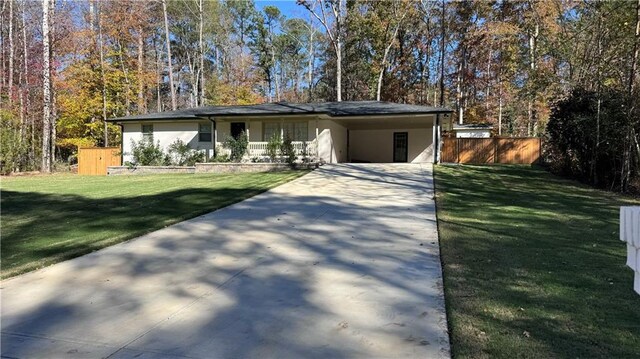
(340, 263)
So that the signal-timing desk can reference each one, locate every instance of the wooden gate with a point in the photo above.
(94, 161)
(491, 150)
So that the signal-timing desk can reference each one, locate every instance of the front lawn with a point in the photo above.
(47, 219)
(533, 267)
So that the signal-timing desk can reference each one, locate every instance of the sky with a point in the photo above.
(289, 8)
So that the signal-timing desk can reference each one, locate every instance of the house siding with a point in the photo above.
(164, 133)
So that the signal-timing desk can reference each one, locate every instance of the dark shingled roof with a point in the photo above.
(344, 108)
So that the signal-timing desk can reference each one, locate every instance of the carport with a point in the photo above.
(386, 139)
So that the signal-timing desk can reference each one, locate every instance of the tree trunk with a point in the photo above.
(103, 79)
(488, 83)
(459, 97)
(127, 82)
(54, 108)
(158, 78)
(339, 71)
(24, 102)
(633, 144)
(46, 91)
(336, 37)
(142, 101)
(92, 17)
(11, 53)
(275, 73)
(201, 47)
(500, 116)
(174, 103)
(3, 55)
(193, 77)
(442, 52)
(596, 147)
(311, 62)
(386, 54)
(532, 127)
(27, 91)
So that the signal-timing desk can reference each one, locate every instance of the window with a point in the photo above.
(147, 132)
(271, 129)
(204, 132)
(297, 131)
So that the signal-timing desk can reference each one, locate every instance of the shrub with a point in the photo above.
(145, 153)
(237, 146)
(221, 158)
(287, 151)
(182, 155)
(306, 153)
(592, 148)
(273, 146)
(13, 150)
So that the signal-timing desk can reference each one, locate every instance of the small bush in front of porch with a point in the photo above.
(182, 155)
(273, 147)
(287, 151)
(146, 153)
(238, 146)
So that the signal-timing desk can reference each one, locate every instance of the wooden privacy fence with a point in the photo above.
(94, 161)
(491, 150)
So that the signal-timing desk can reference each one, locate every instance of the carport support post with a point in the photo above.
(436, 140)
(439, 142)
(215, 138)
(317, 144)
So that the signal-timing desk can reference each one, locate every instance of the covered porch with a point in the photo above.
(303, 132)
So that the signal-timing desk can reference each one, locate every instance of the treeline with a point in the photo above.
(502, 62)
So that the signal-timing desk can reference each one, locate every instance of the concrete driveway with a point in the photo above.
(340, 263)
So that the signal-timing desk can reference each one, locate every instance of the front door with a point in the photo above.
(400, 146)
(236, 129)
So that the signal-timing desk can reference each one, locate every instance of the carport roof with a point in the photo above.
(332, 109)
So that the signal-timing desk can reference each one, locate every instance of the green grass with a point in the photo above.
(533, 267)
(47, 219)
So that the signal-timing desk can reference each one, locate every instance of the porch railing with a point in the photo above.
(259, 149)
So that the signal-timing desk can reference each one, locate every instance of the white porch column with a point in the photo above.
(215, 136)
(317, 142)
(282, 129)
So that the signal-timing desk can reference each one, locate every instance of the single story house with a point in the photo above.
(347, 131)
(472, 130)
